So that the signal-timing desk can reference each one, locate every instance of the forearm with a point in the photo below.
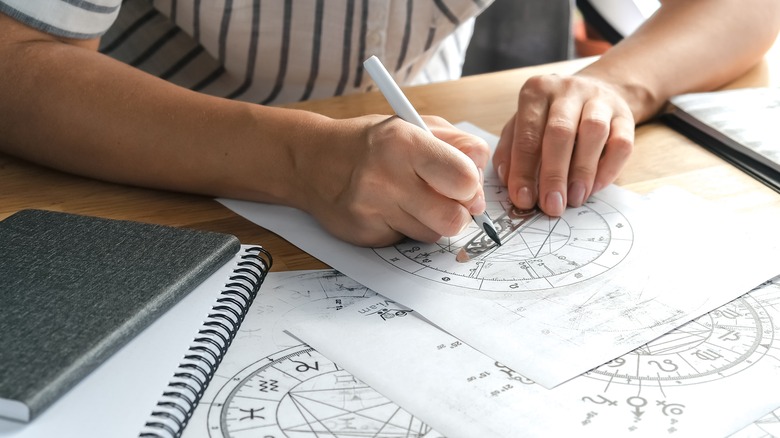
(688, 46)
(79, 111)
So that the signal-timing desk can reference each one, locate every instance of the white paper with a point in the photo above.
(767, 426)
(744, 119)
(708, 378)
(600, 281)
(271, 385)
(747, 115)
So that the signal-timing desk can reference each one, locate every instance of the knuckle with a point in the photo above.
(361, 212)
(534, 88)
(621, 145)
(536, 83)
(582, 171)
(560, 129)
(527, 142)
(595, 124)
(573, 81)
(554, 179)
(396, 128)
(482, 146)
(437, 120)
(454, 222)
(472, 145)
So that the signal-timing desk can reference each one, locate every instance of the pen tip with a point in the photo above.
(491, 232)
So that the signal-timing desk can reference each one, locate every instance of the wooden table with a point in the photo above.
(662, 157)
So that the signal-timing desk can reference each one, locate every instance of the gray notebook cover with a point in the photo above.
(74, 289)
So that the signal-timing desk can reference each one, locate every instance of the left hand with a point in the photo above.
(570, 137)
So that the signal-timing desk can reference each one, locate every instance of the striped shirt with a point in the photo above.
(268, 51)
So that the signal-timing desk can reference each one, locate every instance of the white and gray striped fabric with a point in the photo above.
(268, 51)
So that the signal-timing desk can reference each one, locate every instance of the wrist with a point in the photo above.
(294, 146)
(313, 158)
(642, 101)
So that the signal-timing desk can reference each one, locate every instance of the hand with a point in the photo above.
(379, 179)
(570, 138)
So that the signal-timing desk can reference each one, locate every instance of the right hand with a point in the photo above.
(372, 180)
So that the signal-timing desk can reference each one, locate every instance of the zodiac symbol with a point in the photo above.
(672, 368)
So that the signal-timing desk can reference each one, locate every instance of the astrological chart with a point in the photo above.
(723, 342)
(595, 283)
(537, 252)
(709, 377)
(271, 385)
(707, 351)
(296, 393)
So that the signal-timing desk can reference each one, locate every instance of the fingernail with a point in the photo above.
(524, 198)
(554, 202)
(481, 176)
(502, 173)
(576, 194)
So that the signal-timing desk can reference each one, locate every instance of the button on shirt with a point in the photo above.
(268, 51)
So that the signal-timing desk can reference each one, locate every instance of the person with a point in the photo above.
(178, 95)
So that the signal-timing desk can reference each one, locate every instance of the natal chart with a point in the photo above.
(297, 392)
(538, 252)
(724, 342)
(276, 387)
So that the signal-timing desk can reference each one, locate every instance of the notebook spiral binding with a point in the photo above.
(193, 375)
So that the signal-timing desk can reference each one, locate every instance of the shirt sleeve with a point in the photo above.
(66, 18)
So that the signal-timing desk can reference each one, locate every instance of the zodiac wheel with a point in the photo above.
(538, 252)
(297, 392)
(718, 344)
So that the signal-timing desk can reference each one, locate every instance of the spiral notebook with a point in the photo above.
(157, 378)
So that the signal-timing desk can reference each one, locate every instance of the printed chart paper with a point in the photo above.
(595, 283)
(767, 426)
(269, 384)
(710, 377)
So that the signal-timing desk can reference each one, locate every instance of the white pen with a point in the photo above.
(404, 109)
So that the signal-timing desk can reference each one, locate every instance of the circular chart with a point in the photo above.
(721, 343)
(537, 252)
(297, 392)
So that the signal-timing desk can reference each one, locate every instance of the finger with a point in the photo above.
(591, 137)
(557, 147)
(476, 148)
(532, 110)
(411, 227)
(477, 204)
(398, 216)
(432, 213)
(360, 224)
(619, 146)
(503, 152)
(447, 170)
(369, 237)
